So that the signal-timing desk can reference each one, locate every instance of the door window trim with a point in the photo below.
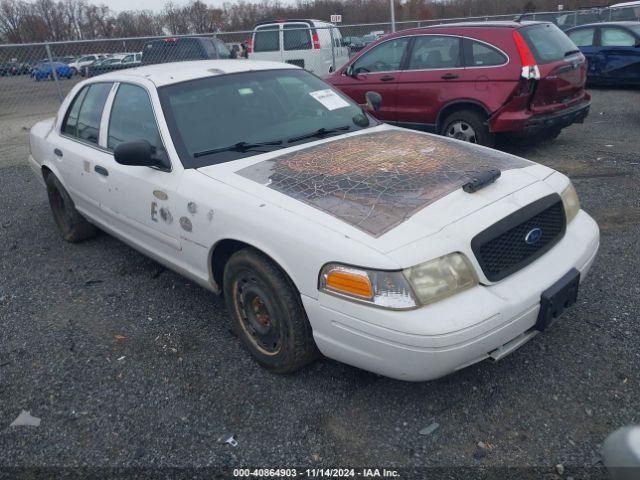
(106, 116)
(410, 48)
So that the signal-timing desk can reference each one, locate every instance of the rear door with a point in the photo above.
(266, 44)
(619, 56)
(563, 69)
(585, 40)
(433, 76)
(377, 70)
(298, 48)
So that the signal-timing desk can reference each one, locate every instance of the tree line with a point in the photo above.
(49, 20)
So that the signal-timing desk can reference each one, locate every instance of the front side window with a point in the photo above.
(87, 125)
(267, 39)
(616, 37)
(434, 51)
(223, 118)
(132, 119)
(296, 36)
(582, 37)
(383, 58)
(480, 54)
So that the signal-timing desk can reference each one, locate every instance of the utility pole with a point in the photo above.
(393, 15)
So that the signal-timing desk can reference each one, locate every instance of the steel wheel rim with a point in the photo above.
(462, 131)
(257, 315)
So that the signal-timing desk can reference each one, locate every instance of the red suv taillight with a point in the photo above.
(250, 45)
(530, 69)
(316, 41)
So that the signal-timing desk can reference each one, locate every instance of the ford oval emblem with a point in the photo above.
(533, 236)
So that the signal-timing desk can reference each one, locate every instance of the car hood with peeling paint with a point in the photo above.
(384, 185)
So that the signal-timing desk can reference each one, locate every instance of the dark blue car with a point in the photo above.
(44, 70)
(612, 50)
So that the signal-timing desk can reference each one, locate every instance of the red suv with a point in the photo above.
(471, 81)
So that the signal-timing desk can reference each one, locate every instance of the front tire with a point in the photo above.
(468, 126)
(267, 313)
(73, 227)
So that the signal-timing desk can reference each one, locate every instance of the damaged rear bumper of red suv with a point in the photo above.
(513, 118)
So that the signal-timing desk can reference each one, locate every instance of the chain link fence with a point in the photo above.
(34, 78)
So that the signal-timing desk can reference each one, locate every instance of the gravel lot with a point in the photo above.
(128, 364)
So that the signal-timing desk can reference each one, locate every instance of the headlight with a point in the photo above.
(571, 202)
(442, 277)
(420, 285)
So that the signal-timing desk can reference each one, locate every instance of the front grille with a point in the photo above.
(507, 246)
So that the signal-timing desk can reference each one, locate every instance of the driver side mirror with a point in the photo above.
(138, 153)
(374, 101)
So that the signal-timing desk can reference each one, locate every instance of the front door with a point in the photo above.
(619, 55)
(142, 202)
(377, 70)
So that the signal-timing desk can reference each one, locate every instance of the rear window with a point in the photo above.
(296, 36)
(547, 42)
(173, 50)
(267, 39)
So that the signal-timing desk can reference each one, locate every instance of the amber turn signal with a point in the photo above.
(343, 281)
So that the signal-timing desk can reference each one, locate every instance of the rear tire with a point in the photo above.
(267, 313)
(468, 126)
(73, 227)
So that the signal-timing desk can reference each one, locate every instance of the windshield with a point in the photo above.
(227, 117)
(635, 28)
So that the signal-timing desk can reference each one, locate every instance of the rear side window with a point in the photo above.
(478, 54)
(296, 36)
(616, 37)
(582, 37)
(87, 123)
(434, 51)
(71, 122)
(223, 50)
(267, 39)
(547, 42)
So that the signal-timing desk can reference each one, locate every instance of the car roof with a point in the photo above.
(168, 73)
(488, 24)
(626, 23)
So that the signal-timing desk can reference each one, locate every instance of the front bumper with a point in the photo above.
(438, 339)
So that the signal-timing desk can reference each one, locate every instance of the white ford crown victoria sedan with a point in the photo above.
(399, 252)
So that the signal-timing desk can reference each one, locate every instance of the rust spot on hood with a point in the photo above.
(375, 181)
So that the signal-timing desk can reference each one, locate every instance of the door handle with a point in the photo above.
(101, 170)
(387, 78)
(58, 152)
(449, 76)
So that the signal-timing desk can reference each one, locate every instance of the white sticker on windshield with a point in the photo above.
(329, 99)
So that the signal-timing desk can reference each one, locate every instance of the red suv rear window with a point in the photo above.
(547, 42)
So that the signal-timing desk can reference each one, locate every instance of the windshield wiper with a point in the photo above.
(321, 132)
(571, 52)
(238, 147)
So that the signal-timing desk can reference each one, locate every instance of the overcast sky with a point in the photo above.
(155, 5)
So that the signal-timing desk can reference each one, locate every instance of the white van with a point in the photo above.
(311, 44)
